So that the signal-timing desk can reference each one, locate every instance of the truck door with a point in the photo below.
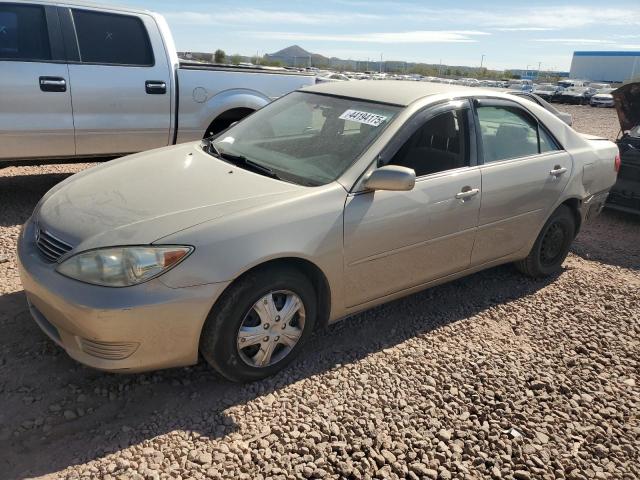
(35, 102)
(121, 81)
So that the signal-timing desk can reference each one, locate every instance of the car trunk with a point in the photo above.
(625, 194)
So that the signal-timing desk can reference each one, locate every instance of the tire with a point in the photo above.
(238, 309)
(552, 245)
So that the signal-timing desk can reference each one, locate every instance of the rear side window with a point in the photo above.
(510, 133)
(112, 39)
(23, 33)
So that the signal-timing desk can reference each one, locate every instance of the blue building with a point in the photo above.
(606, 66)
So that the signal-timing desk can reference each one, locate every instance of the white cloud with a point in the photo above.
(524, 29)
(526, 18)
(246, 16)
(575, 41)
(419, 36)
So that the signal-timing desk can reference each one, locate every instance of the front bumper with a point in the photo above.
(131, 329)
(601, 103)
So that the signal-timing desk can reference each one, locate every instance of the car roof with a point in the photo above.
(396, 92)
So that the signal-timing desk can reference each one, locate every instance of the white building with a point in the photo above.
(605, 66)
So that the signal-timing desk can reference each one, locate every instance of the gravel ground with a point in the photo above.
(491, 376)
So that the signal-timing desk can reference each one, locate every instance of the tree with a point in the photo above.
(219, 56)
(235, 59)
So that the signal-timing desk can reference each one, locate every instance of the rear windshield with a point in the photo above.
(308, 138)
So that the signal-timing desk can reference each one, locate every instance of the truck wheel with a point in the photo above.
(551, 246)
(260, 324)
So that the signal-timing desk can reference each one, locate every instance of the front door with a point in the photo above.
(121, 83)
(524, 172)
(397, 240)
(35, 102)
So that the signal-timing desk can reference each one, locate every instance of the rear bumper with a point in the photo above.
(144, 327)
(625, 196)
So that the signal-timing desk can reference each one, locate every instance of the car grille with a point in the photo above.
(51, 247)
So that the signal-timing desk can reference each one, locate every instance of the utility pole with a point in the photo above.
(380, 63)
(539, 65)
(482, 60)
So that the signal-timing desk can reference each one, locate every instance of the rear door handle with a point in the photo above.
(467, 192)
(53, 84)
(557, 171)
(155, 87)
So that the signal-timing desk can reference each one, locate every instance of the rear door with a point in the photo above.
(524, 171)
(121, 81)
(35, 102)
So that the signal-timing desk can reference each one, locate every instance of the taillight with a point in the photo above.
(616, 164)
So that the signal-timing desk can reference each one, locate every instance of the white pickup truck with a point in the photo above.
(81, 80)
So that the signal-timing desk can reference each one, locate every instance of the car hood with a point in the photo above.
(141, 198)
(627, 103)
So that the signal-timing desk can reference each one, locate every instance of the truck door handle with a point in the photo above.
(53, 84)
(557, 171)
(155, 87)
(467, 192)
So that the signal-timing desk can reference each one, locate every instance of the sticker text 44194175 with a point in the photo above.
(367, 118)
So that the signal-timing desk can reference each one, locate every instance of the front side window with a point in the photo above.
(307, 138)
(441, 144)
(23, 33)
(112, 39)
(508, 132)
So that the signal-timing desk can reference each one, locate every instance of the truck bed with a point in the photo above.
(187, 65)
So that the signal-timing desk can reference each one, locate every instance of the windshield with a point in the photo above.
(546, 88)
(307, 138)
(606, 90)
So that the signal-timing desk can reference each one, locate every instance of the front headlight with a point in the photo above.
(122, 266)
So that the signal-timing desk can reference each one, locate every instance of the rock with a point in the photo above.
(70, 415)
(444, 435)
(521, 475)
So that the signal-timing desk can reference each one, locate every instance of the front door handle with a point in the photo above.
(557, 171)
(155, 87)
(467, 192)
(53, 84)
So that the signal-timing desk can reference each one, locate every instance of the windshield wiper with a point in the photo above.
(239, 160)
(243, 161)
(211, 148)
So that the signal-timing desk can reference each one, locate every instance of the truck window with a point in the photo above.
(112, 39)
(23, 33)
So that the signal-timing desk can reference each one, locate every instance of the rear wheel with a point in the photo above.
(551, 246)
(260, 324)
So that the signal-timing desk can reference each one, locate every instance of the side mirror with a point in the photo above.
(391, 177)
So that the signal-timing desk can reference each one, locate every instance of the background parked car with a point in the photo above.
(576, 95)
(603, 98)
(548, 92)
(130, 91)
(625, 194)
(565, 117)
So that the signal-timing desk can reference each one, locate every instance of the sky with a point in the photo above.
(510, 34)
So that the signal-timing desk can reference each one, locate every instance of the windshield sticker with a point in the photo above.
(367, 118)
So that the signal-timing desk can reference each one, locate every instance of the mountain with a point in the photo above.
(295, 55)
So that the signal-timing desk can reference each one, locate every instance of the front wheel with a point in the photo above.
(260, 324)
(552, 245)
